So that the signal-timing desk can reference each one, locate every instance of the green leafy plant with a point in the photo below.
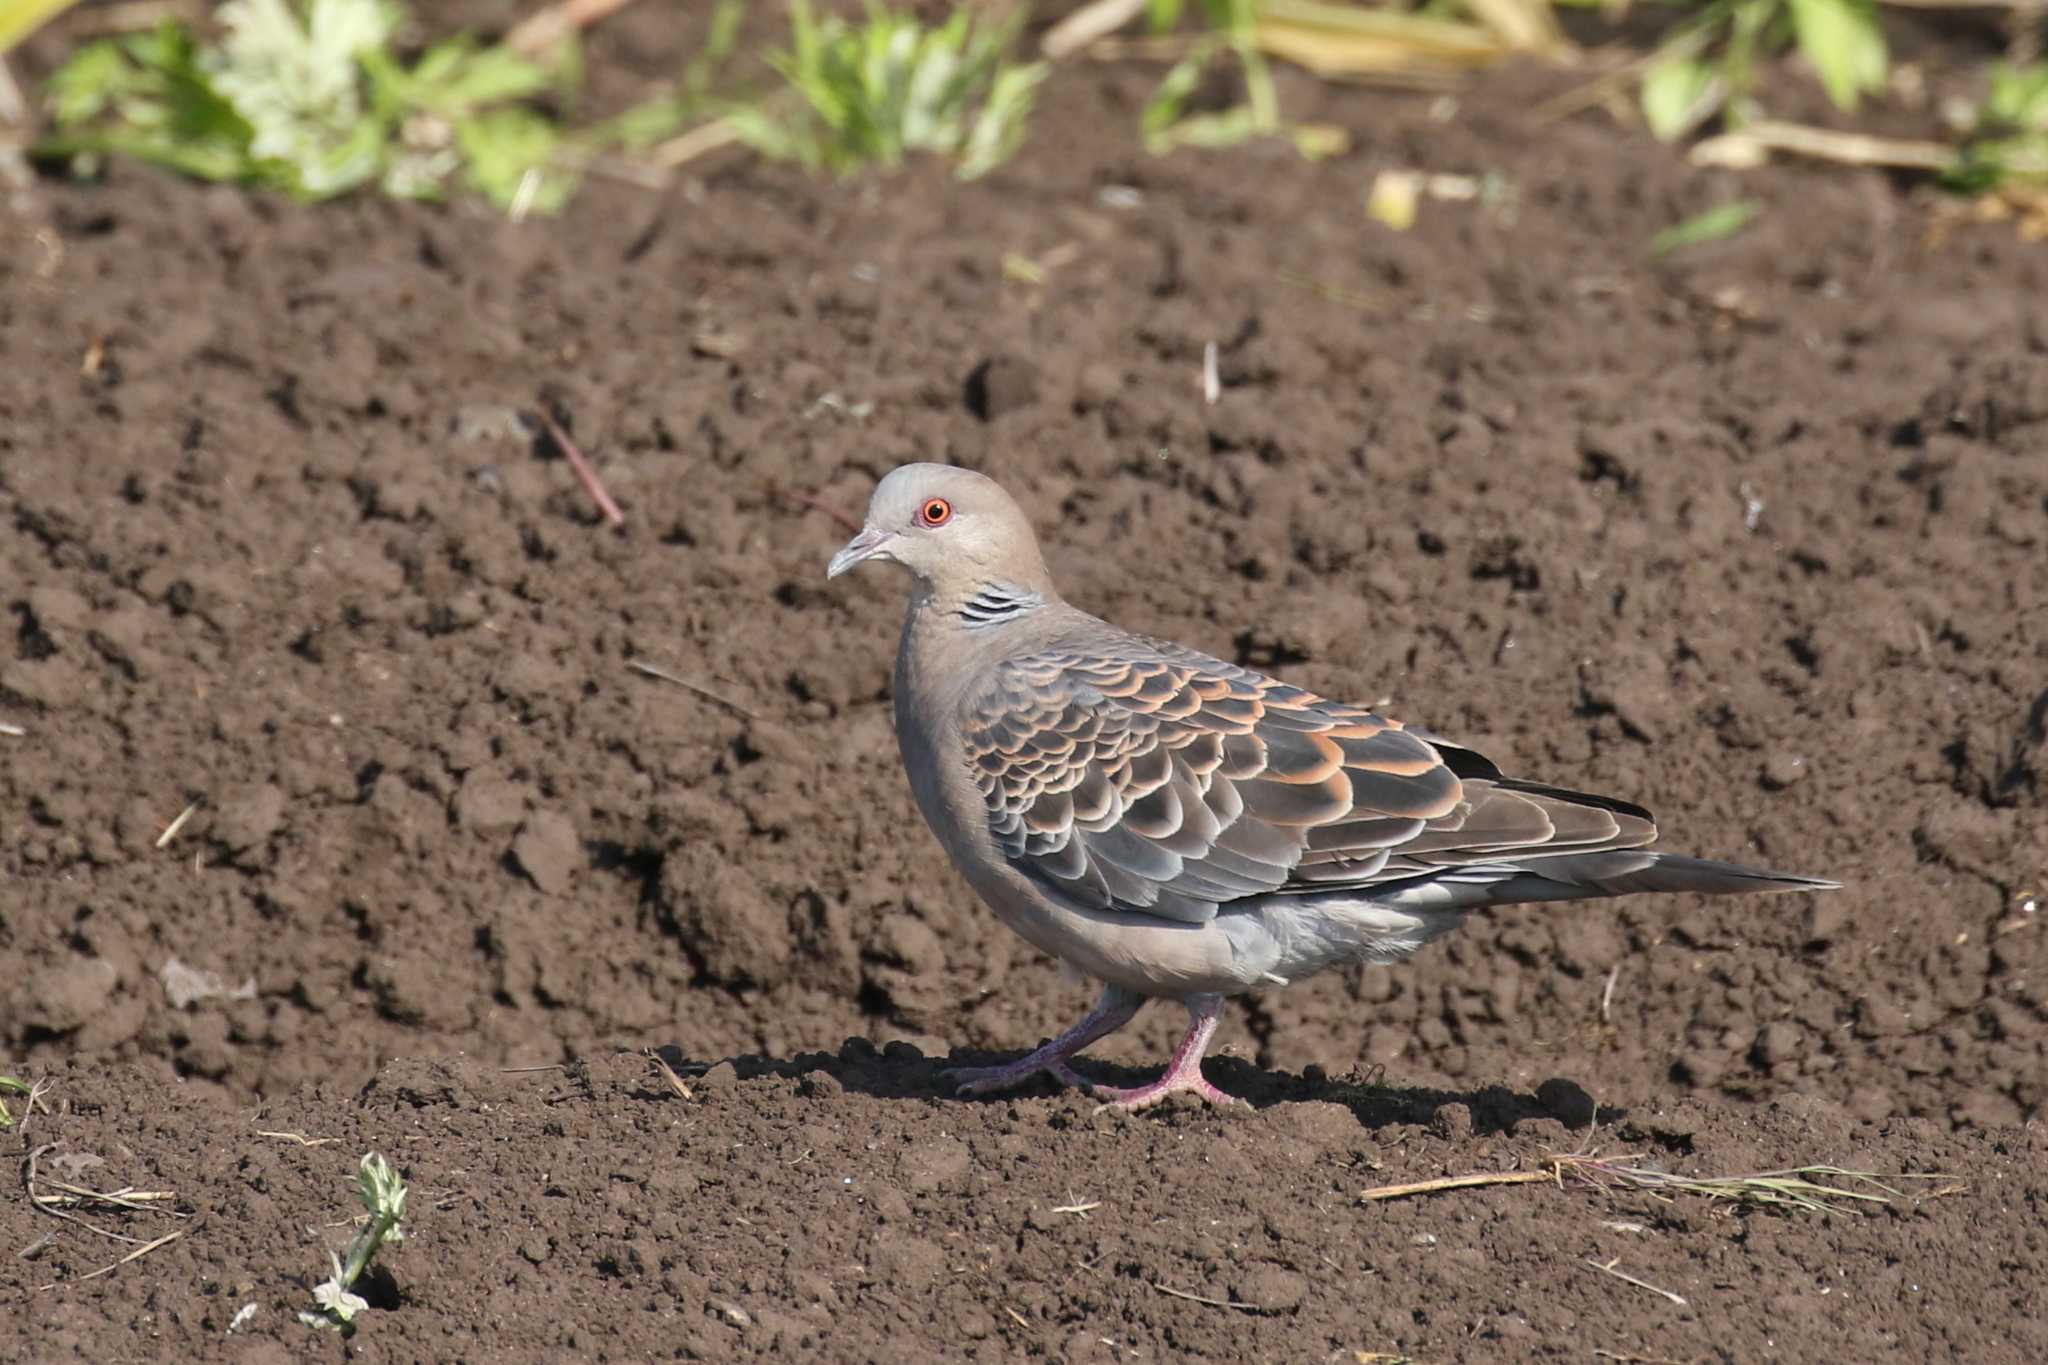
(311, 99)
(1723, 220)
(383, 1194)
(1708, 66)
(1229, 30)
(2009, 139)
(10, 1086)
(873, 92)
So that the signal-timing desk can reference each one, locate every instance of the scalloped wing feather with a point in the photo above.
(1154, 779)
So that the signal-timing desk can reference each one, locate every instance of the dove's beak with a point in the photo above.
(866, 545)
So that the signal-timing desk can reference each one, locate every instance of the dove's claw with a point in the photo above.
(1111, 1013)
(1145, 1096)
(1184, 1072)
(983, 1080)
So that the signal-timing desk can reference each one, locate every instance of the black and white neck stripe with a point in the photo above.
(997, 603)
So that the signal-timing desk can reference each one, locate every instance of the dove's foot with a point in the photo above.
(982, 1080)
(1111, 1013)
(1184, 1072)
(1145, 1096)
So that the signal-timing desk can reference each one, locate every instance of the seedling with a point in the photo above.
(312, 100)
(1166, 122)
(383, 1194)
(10, 1086)
(1723, 220)
(2009, 140)
(1708, 66)
(873, 92)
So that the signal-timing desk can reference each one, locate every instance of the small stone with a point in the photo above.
(61, 1000)
(1781, 770)
(490, 806)
(1778, 1043)
(724, 1076)
(1453, 1121)
(548, 851)
(249, 817)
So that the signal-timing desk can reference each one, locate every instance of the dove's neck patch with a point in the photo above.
(997, 603)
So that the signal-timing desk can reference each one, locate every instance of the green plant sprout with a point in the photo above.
(2009, 138)
(1723, 220)
(383, 1194)
(1165, 121)
(1708, 66)
(10, 1086)
(310, 99)
(873, 92)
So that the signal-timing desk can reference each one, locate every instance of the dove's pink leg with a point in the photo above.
(1184, 1072)
(1111, 1013)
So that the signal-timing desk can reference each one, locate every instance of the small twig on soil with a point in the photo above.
(651, 671)
(1628, 1359)
(1086, 24)
(1212, 379)
(299, 1138)
(1607, 1268)
(541, 30)
(818, 504)
(1457, 1182)
(668, 1073)
(140, 1251)
(586, 473)
(135, 1201)
(1607, 993)
(31, 1094)
(171, 830)
(686, 147)
(1203, 1298)
(1081, 1209)
(54, 1204)
(528, 1070)
(1794, 1187)
(12, 731)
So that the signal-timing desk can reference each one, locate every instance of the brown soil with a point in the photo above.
(1754, 535)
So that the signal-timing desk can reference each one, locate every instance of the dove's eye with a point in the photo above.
(935, 512)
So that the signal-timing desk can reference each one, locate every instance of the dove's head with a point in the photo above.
(956, 530)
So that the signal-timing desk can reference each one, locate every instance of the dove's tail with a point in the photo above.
(1586, 876)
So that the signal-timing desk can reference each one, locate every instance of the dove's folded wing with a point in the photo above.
(1152, 779)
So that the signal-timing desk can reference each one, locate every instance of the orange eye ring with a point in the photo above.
(935, 512)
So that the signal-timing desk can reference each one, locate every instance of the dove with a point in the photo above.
(1177, 827)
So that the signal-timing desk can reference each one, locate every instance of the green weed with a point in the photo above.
(876, 91)
(311, 99)
(383, 1194)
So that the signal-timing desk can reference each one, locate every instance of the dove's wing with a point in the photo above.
(1144, 777)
